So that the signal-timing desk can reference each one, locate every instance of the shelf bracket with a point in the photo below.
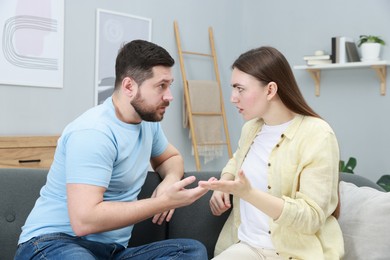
(381, 72)
(316, 75)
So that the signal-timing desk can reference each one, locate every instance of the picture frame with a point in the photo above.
(32, 46)
(113, 29)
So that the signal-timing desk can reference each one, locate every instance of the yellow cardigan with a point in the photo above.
(304, 171)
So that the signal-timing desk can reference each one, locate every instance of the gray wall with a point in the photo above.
(349, 100)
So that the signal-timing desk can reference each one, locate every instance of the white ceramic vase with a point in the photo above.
(370, 51)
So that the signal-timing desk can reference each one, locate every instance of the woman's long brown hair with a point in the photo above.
(267, 65)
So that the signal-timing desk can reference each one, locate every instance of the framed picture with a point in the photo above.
(32, 45)
(112, 31)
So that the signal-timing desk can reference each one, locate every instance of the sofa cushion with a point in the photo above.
(146, 232)
(20, 188)
(196, 221)
(365, 221)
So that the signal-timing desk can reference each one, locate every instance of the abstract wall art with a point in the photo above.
(114, 29)
(32, 42)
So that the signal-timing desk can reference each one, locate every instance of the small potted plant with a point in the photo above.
(370, 47)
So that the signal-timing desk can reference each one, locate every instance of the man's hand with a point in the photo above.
(167, 215)
(178, 196)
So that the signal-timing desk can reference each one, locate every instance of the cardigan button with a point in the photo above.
(277, 145)
(269, 164)
(282, 135)
(269, 231)
(269, 187)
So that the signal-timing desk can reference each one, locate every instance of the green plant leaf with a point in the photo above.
(370, 38)
(349, 166)
(384, 182)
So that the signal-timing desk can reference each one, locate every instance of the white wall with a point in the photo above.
(349, 99)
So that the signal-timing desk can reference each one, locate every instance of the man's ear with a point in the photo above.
(272, 89)
(129, 87)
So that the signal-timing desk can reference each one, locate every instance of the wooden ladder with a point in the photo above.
(213, 56)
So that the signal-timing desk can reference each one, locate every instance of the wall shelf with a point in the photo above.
(315, 71)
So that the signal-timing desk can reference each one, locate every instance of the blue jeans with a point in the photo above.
(65, 247)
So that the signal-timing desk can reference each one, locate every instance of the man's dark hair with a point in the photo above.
(136, 60)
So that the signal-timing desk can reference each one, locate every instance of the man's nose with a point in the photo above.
(168, 95)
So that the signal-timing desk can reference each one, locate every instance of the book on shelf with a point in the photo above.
(335, 43)
(317, 57)
(339, 52)
(318, 62)
(352, 52)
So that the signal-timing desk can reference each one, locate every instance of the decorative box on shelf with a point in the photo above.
(315, 71)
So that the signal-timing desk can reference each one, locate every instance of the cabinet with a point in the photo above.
(27, 151)
(379, 67)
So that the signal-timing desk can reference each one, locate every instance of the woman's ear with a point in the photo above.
(272, 89)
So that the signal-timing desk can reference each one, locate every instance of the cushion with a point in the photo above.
(365, 222)
(146, 231)
(197, 221)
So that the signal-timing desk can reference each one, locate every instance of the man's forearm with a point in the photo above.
(89, 214)
(110, 215)
(172, 168)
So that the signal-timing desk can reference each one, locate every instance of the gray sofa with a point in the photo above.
(20, 188)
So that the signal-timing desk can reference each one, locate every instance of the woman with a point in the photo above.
(284, 173)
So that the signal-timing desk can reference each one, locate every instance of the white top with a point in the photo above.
(254, 228)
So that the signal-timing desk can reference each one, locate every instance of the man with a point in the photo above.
(89, 205)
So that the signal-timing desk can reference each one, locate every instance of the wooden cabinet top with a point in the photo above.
(28, 141)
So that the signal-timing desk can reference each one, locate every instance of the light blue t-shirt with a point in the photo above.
(98, 149)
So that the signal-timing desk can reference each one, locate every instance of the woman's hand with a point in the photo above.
(239, 187)
(219, 203)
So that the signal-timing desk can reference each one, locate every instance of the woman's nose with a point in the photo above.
(233, 98)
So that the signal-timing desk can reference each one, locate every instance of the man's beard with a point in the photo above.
(147, 113)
